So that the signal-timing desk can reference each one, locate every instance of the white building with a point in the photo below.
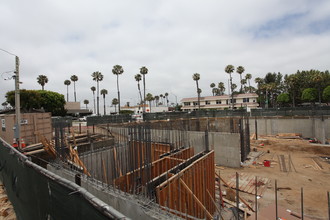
(247, 100)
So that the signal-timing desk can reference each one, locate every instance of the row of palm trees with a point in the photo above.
(221, 86)
(98, 77)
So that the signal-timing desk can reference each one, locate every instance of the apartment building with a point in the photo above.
(247, 100)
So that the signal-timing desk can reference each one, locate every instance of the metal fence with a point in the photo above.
(37, 193)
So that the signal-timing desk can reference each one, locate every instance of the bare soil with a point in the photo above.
(313, 178)
(6, 209)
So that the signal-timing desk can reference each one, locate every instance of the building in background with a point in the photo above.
(247, 100)
(74, 109)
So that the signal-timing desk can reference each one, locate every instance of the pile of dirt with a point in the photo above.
(6, 209)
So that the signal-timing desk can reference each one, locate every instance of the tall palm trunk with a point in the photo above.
(94, 102)
(144, 94)
(140, 92)
(319, 90)
(115, 108)
(249, 86)
(198, 95)
(74, 88)
(104, 104)
(67, 93)
(118, 94)
(42, 87)
(240, 76)
(98, 98)
(232, 94)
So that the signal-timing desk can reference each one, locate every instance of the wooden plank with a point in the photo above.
(196, 199)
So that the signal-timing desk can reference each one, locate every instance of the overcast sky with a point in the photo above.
(173, 39)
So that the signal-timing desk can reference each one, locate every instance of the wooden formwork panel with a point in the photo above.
(184, 153)
(141, 176)
(142, 150)
(192, 190)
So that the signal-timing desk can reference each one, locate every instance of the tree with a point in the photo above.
(240, 70)
(243, 82)
(86, 102)
(157, 99)
(283, 99)
(161, 96)
(143, 72)
(222, 88)
(93, 90)
(115, 103)
(138, 79)
(42, 80)
(317, 78)
(118, 70)
(67, 83)
(230, 69)
(166, 97)
(74, 79)
(309, 95)
(149, 98)
(35, 99)
(212, 85)
(103, 93)
(97, 76)
(215, 91)
(326, 94)
(248, 77)
(197, 77)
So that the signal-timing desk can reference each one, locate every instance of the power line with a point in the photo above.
(7, 52)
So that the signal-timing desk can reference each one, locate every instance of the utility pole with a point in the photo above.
(17, 105)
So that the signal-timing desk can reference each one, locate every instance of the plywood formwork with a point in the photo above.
(134, 180)
(192, 190)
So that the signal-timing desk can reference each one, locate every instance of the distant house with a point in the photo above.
(73, 108)
(247, 100)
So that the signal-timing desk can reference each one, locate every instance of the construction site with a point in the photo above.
(206, 167)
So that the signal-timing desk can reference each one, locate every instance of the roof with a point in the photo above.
(222, 97)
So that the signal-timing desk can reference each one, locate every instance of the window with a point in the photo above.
(246, 100)
(207, 102)
(195, 103)
(234, 101)
(218, 102)
(186, 103)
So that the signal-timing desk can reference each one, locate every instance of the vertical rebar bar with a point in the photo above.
(302, 203)
(276, 210)
(328, 204)
(256, 198)
(237, 195)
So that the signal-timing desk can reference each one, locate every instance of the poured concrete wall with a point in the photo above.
(318, 127)
(122, 202)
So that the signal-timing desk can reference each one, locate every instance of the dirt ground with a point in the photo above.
(6, 209)
(313, 177)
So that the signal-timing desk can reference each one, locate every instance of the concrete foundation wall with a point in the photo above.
(308, 126)
(122, 202)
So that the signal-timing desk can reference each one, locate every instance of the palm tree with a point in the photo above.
(103, 93)
(93, 90)
(42, 80)
(243, 82)
(157, 99)
(221, 87)
(197, 77)
(86, 102)
(67, 83)
(212, 85)
(97, 76)
(248, 77)
(144, 71)
(317, 78)
(74, 79)
(215, 91)
(240, 70)
(138, 79)
(149, 98)
(118, 70)
(161, 96)
(166, 97)
(4, 104)
(230, 69)
(115, 103)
